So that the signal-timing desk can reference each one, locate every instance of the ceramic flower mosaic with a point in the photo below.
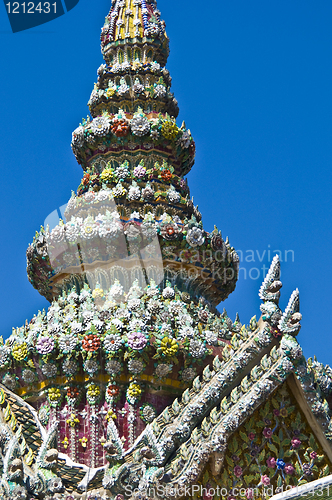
(274, 449)
(132, 378)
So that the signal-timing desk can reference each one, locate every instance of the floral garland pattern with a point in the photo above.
(114, 332)
(273, 451)
(162, 174)
(106, 130)
(208, 249)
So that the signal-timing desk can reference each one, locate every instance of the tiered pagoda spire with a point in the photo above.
(132, 379)
(133, 204)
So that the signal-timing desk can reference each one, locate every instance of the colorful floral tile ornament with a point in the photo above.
(134, 378)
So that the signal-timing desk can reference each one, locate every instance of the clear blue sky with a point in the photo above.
(253, 80)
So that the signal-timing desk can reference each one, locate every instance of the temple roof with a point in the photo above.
(133, 377)
(259, 373)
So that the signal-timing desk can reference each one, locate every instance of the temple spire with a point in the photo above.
(133, 192)
(136, 23)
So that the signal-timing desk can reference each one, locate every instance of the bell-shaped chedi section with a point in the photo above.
(132, 216)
